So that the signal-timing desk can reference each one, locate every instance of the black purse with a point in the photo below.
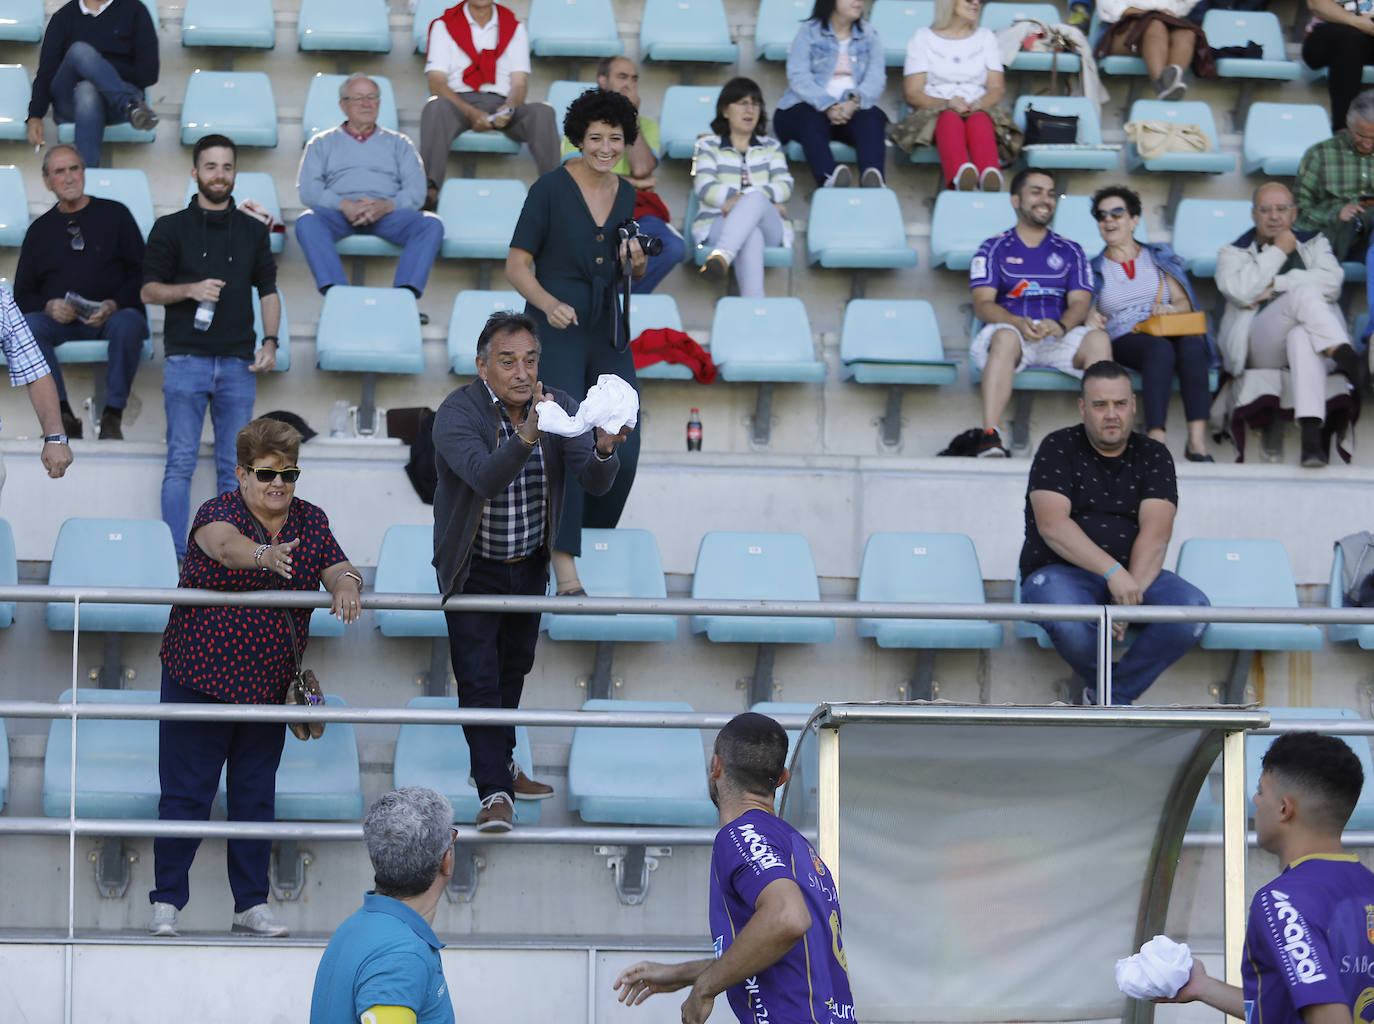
(1044, 129)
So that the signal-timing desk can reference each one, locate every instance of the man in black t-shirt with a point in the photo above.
(1100, 506)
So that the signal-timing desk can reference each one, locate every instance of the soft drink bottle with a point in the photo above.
(694, 431)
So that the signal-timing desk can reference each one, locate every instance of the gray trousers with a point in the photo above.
(1294, 331)
(441, 122)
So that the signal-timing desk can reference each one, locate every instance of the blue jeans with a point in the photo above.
(189, 384)
(1158, 645)
(418, 234)
(87, 90)
(866, 131)
(660, 266)
(125, 332)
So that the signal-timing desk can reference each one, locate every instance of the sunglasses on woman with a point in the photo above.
(265, 476)
(1114, 213)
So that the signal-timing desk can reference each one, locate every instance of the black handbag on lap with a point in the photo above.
(1044, 129)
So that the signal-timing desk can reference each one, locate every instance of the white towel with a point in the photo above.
(1158, 971)
(611, 404)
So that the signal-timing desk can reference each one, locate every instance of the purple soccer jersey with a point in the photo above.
(1031, 282)
(1310, 940)
(810, 984)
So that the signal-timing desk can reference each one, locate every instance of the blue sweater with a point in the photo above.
(124, 34)
(109, 267)
(336, 166)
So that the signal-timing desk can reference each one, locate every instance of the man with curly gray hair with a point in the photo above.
(382, 965)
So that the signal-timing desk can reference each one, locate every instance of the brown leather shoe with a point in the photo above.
(497, 814)
(526, 788)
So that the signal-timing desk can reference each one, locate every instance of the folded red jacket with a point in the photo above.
(664, 345)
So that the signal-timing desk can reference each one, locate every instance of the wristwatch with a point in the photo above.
(55, 439)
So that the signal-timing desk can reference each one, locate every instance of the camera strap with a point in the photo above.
(620, 333)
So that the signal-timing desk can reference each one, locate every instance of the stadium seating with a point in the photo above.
(437, 756)
(1087, 154)
(1245, 573)
(1237, 28)
(425, 13)
(653, 312)
(638, 776)
(1363, 634)
(768, 341)
(283, 332)
(355, 26)
(15, 92)
(369, 331)
(896, 21)
(471, 309)
(112, 553)
(1073, 218)
(245, 24)
(842, 152)
(857, 228)
(773, 255)
(573, 28)
(259, 187)
(322, 105)
(128, 186)
(14, 207)
(893, 342)
(1121, 66)
(776, 25)
(22, 21)
(479, 216)
(687, 112)
(404, 567)
(239, 104)
(1278, 134)
(121, 131)
(686, 30)
(1183, 113)
(963, 221)
(997, 16)
(560, 96)
(9, 573)
(116, 761)
(1203, 226)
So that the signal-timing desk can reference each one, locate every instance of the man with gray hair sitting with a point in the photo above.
(382, 965)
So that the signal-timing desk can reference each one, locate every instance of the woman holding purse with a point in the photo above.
(1134, 282)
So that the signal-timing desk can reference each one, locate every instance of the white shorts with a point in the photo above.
(1054, 353)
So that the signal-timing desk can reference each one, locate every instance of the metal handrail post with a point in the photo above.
(1104, 657)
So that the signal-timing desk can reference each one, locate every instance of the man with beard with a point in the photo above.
(201, 263)
(774, 910)
(1032, 290)
(1100, 506)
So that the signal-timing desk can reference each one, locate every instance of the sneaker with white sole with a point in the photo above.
(966, 178)
(990, 180)
(497, 814)
(872, 178)
(164, 920)
(259, 921)
(990, 445)
(840, 177)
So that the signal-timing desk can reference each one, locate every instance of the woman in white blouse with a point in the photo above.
(955, 67)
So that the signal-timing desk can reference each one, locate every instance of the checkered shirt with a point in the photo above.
(1330, 175)
(25, 358)
(513, 522)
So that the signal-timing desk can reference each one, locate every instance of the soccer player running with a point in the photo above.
(775, 911)
(1309, 945)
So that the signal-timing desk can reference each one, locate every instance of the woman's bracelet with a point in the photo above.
(353, 576)
(257, 556)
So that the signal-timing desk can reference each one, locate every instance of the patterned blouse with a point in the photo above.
(243, 655)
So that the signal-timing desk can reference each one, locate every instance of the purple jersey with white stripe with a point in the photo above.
(1310, 940)
(1034, 281)
(810, 984)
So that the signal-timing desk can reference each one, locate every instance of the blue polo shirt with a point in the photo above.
(384, 954)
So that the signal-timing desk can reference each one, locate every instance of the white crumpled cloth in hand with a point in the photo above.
(611, 404)
(1158, 971)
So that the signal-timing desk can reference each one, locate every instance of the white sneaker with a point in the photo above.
(966, 178)
(259, 921)
(164, 920)
(838, 178)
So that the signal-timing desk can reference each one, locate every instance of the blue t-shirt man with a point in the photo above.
(1031, 281)
(810, 984)
(384, 954)
(1310, 940)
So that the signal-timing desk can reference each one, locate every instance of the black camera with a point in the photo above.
(629, 228)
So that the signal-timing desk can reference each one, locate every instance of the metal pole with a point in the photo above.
(1104, 657)
(828, 800)
(1233, 850)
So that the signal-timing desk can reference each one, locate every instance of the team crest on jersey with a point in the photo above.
(1055, 261)
(819, 865)
(1369, 921)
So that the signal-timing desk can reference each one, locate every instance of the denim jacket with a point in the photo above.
(811, 62)
(1172, 264)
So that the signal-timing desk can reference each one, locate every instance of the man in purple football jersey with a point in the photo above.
(1309, 946)
(775, 910)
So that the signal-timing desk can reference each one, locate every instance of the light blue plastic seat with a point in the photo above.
(1025, 630)
(247, 24)
(425, 13)
(1203, 226)
(322, 105)
(1073, 218)
(9, 573)
(842, 152)
(739, 566)
(404, 567)
(638, 776)
(121, 131)
(1278, 134)
(573, 28)
(1179, 112)
(1362, 634)
(14, 207)
(893, 341)
(935, 568)
(1253, 573)
(896, 21)
(437, 756)
(15, 92)
(22, 21)
(560, 97)
(116, 761)
(1314, 75)
(4, 765)
(479, 216)
(369, 330)
(963, 221)
(1237, 28)
(1086, 154)
(857, 227)
(355, 26)
(656, 312)
(998, 16)
(484, 142)
(687, 113)
(283, 332)
(112, 553)
(693, 30)
(94, 351)
(127, 185)
(260, 187)
(773, 255)
(239, 104)
(776, 24)
(471, 309)
(764, 340)
(1119, 66)
(617, 563)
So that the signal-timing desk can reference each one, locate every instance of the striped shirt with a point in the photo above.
(512, 523)
(25, 358)
(720, 171)
(1125, 301)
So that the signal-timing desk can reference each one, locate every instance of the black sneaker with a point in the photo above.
(141, 116)
(990, 445)
(112, 424)
(71, 425)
